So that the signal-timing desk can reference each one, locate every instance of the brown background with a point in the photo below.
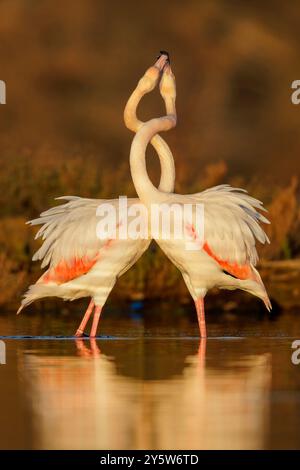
(70, 66)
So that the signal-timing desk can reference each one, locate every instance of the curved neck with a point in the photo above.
(167, 178)
(145, 189)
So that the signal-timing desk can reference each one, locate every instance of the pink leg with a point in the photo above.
(96, 319)
(201, 316)
(85, 319)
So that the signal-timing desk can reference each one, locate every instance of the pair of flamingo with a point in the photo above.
(82, 265)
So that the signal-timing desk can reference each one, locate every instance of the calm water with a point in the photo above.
(149, 386)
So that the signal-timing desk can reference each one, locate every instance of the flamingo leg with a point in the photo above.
(85, 319)
(201, 316)
(96, 319)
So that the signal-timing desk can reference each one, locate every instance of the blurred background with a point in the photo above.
(69, 69)
(69, 72)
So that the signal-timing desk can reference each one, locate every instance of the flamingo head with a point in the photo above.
(167, 84)
(149, 81)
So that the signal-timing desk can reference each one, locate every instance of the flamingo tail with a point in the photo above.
(35, 292)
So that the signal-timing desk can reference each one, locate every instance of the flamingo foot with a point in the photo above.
(96, 319)
(199, 303)
(81, 328)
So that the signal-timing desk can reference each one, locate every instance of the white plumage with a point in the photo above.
(69, 234)
(231, 223)
(227, 255)
(80, 264)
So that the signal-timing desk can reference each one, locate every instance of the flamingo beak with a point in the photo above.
(164, 53)
(162, 60)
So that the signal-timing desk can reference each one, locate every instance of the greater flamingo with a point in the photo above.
(81, 264)
(227, 257)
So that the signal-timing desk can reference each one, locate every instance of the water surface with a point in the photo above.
(148, 385)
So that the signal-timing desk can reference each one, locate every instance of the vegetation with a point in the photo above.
(30, 190)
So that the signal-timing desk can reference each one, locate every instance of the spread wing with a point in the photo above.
(232, 224)
(69, 231)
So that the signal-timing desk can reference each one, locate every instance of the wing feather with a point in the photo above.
(232, 223)
(68, 230)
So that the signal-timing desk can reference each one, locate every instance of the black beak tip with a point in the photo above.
(164, 53)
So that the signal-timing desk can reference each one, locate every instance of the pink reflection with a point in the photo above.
(84, 351)
(219, 400)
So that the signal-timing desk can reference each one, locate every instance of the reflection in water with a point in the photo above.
(148, 394)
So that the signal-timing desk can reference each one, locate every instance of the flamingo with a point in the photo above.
(227, 256)
(81, 264)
